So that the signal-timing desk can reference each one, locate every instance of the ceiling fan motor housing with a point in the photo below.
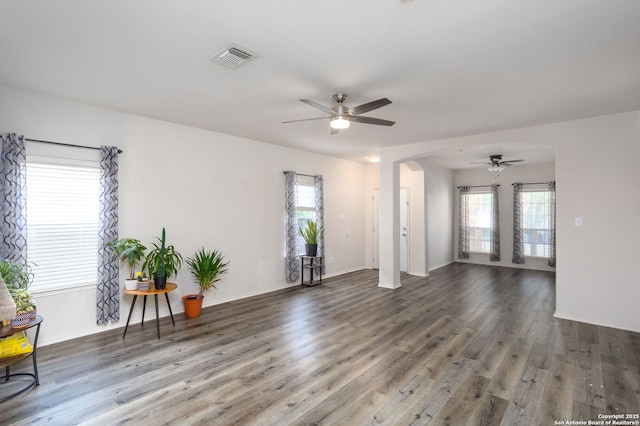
(339, 98)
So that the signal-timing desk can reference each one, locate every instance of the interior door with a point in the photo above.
(404, 228)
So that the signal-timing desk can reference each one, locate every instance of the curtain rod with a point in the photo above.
(532, 183)
(66, 144)
(477, 186)
(302, 174)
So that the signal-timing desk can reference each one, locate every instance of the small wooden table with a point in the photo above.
(313, 264)
(7, 362)
(145, 293)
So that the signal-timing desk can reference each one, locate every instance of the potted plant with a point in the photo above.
(25, 308)
(143, 281)
(206, 268)
(162, 262)
(311, 234)
(130, 251)
(17, 278)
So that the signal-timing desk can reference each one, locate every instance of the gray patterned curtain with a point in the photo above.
(318, 182)
(552, 224)
(108, 291)
(13, 208)
(292, 268)
(518, 241)
(463, 236)
(494, 245)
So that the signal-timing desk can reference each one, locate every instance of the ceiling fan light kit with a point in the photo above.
(339, 123)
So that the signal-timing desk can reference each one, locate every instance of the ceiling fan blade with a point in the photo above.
(511, 161)
(370, 120)
(305, 119)
(484, 163)
(317, 105)
(369, 106)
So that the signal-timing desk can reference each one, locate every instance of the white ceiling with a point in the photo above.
(451, 67)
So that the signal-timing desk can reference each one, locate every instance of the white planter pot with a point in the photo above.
(131, 284)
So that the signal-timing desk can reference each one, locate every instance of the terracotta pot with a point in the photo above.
(192, 305)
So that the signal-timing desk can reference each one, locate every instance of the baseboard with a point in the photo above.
(440, 266)
(418, 274)
(592, 321)
(389, 286)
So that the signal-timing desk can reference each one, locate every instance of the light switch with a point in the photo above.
(578, 221)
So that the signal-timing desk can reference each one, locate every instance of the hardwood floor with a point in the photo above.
(470, 344)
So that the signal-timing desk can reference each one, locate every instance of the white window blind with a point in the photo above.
(306, 206)
(535, 223)
(479, 222)
(62, 223)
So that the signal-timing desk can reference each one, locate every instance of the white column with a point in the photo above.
(389, 226)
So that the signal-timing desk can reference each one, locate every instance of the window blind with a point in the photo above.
(62, 224)
(306, 204)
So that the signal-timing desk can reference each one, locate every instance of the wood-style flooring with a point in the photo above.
(469, 345)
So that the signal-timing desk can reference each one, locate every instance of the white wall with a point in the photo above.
(371, 184)
(517, 173)
(596, 175)
(206, 188)
(439, 193)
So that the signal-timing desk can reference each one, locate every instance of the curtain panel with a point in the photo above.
(494, 245)
(318, 182)
(552, 224)
(292, 267)
(108, 290)
(518, 241)
(13, 190)
(463, 223)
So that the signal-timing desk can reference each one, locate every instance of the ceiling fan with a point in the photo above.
(340, 115)
(496, 163)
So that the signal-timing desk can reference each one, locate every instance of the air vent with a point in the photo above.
(233, 57)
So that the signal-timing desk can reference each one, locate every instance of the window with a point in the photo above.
(479, 222)
(536, 231)
(62, 222)
(305, 206)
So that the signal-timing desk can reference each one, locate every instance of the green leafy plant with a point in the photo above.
(130, 251)
(16, 275)
(206, 268)
(18, 278)
(311, 233)
(23, 300)
(162, 260)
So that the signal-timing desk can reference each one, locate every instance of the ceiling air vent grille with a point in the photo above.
(232, 57)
